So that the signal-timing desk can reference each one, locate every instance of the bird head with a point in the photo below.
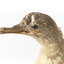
(41, 27)
(37, 25)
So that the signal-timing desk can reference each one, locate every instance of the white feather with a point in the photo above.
(32, 18)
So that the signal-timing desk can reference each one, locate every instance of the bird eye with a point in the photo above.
(35, 26)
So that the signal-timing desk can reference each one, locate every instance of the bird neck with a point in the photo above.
(51, 54)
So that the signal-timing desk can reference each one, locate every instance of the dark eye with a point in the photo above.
(35, 26)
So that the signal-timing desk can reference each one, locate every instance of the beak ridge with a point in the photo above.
(11, 30)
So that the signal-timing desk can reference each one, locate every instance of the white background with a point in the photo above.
(21, 49)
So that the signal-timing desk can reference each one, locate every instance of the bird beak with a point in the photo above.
(15, 29)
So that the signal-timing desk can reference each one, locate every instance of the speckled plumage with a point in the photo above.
(43, 28)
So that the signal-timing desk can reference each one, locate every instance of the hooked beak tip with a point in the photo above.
(1, 30)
